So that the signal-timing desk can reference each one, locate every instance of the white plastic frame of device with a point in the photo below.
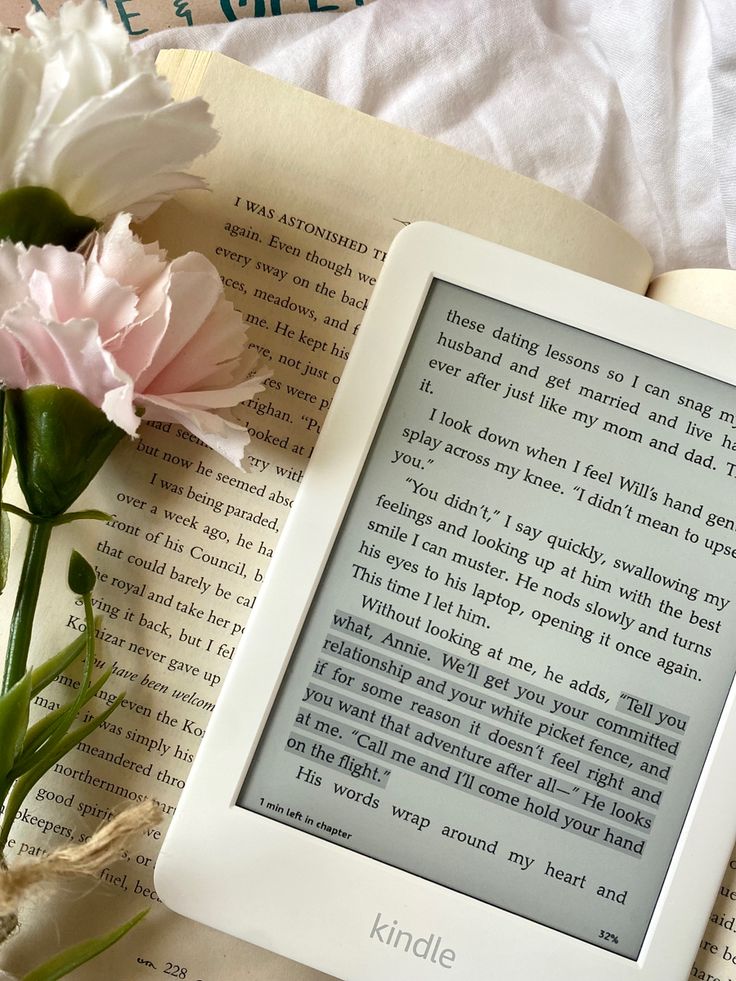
(504, 744)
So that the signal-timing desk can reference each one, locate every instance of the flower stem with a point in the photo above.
(21, 625)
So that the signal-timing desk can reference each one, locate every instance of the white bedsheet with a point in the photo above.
(630, 106)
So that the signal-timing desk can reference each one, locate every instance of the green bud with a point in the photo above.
(59, 441)
(39, 216)
(81, 577)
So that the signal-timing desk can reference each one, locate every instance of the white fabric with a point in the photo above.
(628, 106)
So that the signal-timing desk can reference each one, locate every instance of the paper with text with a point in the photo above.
(306, 198)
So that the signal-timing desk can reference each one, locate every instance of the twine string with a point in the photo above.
(20, 879)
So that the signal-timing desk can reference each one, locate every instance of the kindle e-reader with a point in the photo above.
(481, 721)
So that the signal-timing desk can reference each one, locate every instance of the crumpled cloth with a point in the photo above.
(630, 107)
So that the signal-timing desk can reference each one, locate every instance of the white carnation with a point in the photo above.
(84, 115)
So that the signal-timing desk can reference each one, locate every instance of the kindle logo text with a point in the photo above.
(425, 948)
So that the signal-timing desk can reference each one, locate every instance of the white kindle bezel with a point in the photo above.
(310, 899)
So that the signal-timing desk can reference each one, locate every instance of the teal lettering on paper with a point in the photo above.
(259, 8)
(182, 10)
(127, 16)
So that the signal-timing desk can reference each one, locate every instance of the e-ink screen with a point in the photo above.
(518, 653)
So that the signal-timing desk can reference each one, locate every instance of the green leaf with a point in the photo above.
(45, 673)
(23, 785)
(4, 549)
(14, 709)
(89, 514)
(81, 576)
(51, 727)
(39, 216)
(72, 958)
(65, 719)
(59, 441)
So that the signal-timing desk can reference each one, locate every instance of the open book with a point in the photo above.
(306, 198)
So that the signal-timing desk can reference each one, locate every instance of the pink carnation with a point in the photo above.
(129, 331)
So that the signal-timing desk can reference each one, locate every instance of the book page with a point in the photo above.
(709, 293)
(305, 199)
(339, 164)
(716, 960)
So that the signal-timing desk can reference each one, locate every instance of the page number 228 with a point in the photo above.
(174, 970)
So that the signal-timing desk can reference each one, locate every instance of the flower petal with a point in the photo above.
(64, 287)
(226, 437)
(18, 98)
(85, 116)
(118, 406)
(68, 358)
(55, 280)
(214, 357)
(12, 288)
(194, 288)
(12, 371)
